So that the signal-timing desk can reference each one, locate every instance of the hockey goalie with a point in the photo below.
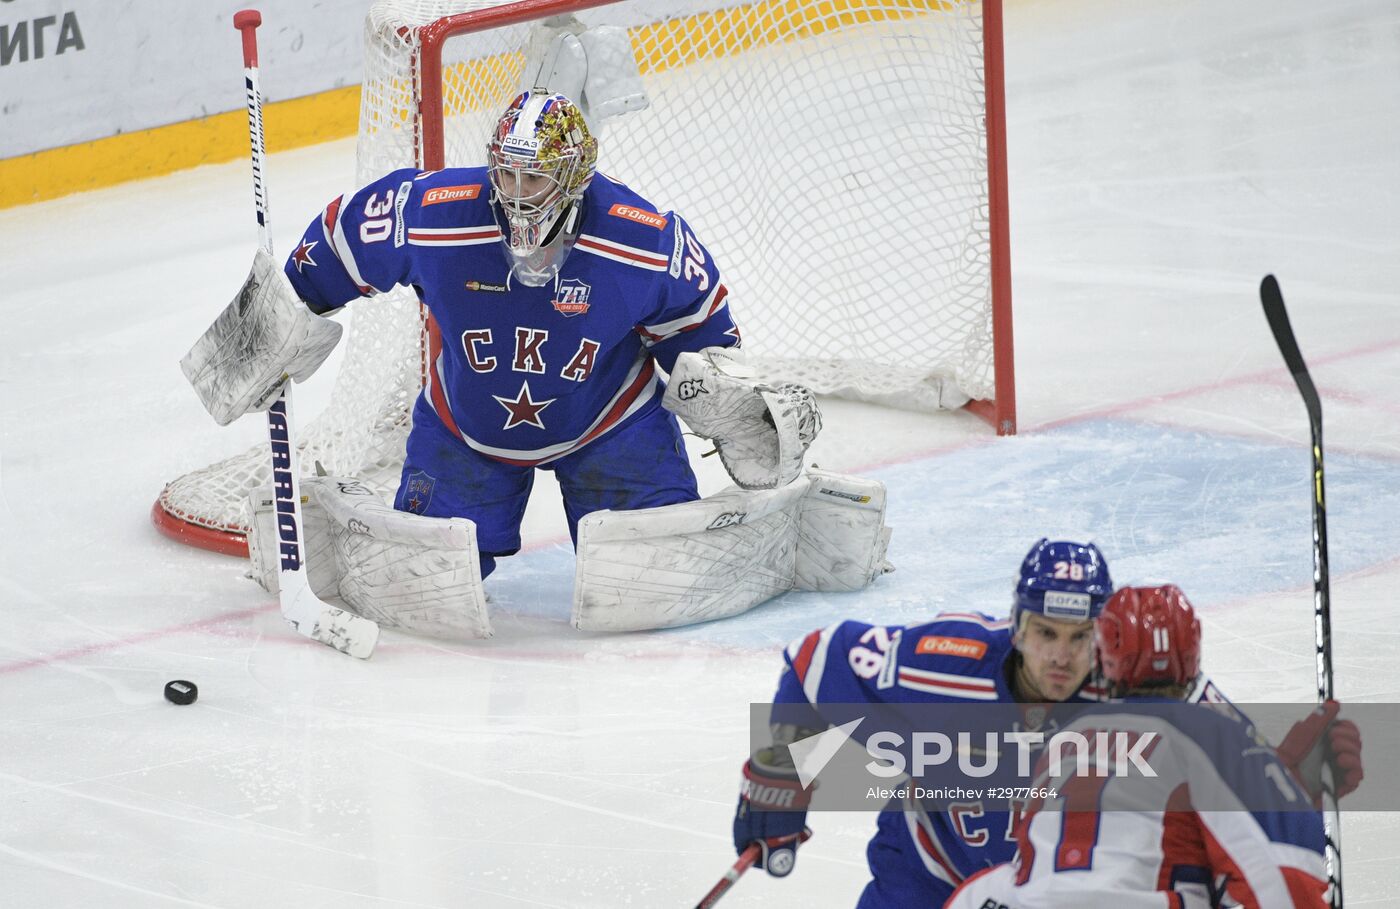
(557, 298)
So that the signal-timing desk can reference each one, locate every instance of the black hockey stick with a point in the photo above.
(1277, 315)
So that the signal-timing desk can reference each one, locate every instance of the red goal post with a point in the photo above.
(844, 160)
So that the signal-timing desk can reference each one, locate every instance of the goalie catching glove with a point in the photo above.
(398, 569)
(264, 335)
(761, 431)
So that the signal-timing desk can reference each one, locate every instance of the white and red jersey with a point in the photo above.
(1183, 838)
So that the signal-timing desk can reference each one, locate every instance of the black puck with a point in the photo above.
(181, 692)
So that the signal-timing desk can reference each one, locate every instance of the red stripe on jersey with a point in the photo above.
(1024, 844)
(435, 392)
(1221, 863)
(332, 212)
(1182, 843)
(715, 304)
(980, 686)
(466, 233)
(620, 250)
(1305, 890)
(328, 222)
(642, 381)
(803, 662)
(1080, 828)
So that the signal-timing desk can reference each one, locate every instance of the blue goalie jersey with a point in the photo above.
(524, 375)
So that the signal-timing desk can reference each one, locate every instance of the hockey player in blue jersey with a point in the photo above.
(556, 297)
(1185, 830)
(1043, 653)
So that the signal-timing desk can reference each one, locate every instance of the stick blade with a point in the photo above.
(329, 625)
(1271, 296)
(345, 632)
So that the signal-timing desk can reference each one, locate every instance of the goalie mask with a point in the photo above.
(541, 158)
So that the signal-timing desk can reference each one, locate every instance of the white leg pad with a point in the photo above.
(400, 570)
(842, 536)
(724, 554)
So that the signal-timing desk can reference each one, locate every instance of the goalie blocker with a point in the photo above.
(724, 554)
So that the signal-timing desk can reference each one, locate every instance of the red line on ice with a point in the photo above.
(138, 638)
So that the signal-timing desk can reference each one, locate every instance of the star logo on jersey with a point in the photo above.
(523, 411)
(418, 492)
(302, 255)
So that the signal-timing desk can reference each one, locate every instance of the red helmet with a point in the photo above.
(1148, 635)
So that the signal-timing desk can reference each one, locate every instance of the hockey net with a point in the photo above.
(843, 160)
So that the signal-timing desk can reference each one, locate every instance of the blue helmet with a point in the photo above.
(1062, 580)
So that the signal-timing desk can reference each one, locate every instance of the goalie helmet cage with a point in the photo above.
(843, 160)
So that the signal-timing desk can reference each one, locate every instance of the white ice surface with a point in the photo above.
(1164, 157)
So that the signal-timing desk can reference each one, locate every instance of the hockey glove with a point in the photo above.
(1321, 735)
(772, 813)
(760, 430)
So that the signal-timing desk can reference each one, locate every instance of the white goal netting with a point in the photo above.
(832, 154)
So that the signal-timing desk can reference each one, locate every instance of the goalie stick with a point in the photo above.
(302, 609)
(1277, 315)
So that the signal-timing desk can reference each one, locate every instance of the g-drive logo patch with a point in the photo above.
(441, 194)
(1063, 605)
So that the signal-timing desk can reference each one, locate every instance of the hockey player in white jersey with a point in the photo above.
(1184, 838)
